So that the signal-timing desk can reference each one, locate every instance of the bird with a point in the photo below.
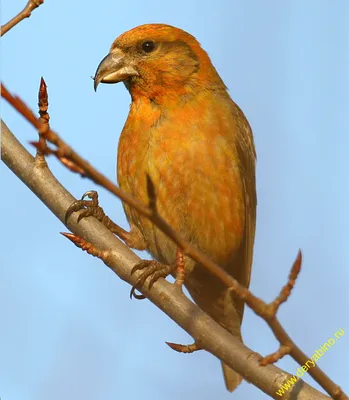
(186, 134)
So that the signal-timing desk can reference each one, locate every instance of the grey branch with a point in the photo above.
(164, 295)
(25, 13)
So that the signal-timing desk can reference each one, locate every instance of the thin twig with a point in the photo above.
(44, 119)
(267, 312)
(88, 247)
(41, 147)
(25, 13)
(286, 290)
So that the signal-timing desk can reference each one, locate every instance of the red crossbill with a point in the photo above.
(185, 132)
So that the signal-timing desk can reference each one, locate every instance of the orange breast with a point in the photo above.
(190, 155)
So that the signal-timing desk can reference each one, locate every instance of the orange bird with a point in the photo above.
(196, 145)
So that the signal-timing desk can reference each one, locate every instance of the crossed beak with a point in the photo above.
(114, 68)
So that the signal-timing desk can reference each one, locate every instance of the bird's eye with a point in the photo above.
(148, 46)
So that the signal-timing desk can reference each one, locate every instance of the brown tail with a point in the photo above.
(232, 379)
(226, 311)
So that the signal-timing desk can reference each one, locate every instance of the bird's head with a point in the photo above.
(158, 61)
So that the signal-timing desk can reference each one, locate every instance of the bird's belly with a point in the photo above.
(200, 200)
(205, 212)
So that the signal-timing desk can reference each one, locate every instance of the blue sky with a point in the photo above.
(68, 328)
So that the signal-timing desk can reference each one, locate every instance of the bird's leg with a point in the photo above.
(180, 268)
(155, 270)
(91, 208)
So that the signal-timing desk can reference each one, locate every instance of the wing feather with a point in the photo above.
(247, 164)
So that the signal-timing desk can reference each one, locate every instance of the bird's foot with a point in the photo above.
(156, 270)
(153, 270)
(91, 208)
(185, 348)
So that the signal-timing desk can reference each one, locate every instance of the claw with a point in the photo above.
(86, 213)
(88, 206)
(91, 194)
(82, 215)
(76, 206)
(154, 270)
(135, 295)
(141, 265)
(155, 277)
